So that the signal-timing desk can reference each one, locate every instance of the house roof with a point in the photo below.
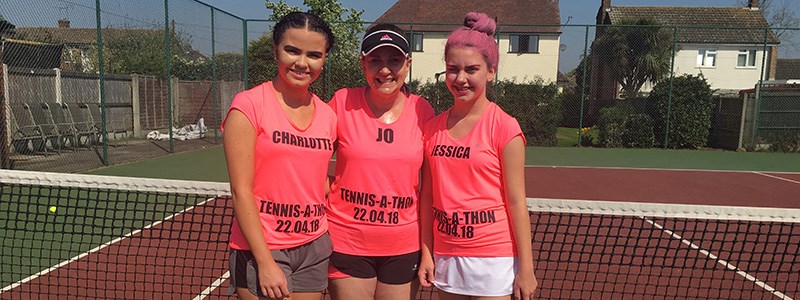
(788, 68)
(447, 15)
(739, 17)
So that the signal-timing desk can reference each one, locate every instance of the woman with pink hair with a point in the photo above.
(475, 228)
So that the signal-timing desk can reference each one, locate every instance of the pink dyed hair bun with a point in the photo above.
(480, 22)
(477, 32)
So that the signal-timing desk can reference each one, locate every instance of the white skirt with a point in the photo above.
(475, 276)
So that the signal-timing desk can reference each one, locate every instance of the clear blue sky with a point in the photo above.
(578, 12)
(194, 20)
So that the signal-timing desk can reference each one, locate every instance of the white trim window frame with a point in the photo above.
(417, 42)
(746, 58)
(707, 57)
(523, 43)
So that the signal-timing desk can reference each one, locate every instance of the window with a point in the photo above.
(416, 42)
(746, 58)
(707, 57)
(523, 43)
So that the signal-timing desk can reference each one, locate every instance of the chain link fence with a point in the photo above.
(91, 83)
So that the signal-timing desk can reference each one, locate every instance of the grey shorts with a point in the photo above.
(305, 266)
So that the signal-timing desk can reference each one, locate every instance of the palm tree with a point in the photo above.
(635, 52)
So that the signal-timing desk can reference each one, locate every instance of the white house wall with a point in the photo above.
(431, 60)
(525, 67)
(528, 67)
(725, 75)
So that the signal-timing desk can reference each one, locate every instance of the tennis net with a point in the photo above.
(83, 236)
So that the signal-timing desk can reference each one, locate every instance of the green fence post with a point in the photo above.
(214, 77)
(583, 82)
(759, 89)
(411, 36)
(671, 77)
(168, 57)
(103, 129)
(244, 50)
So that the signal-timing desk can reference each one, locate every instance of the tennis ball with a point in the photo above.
(53, 209)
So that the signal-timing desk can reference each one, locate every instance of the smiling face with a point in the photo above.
(300, 56)
(467, 74)
(385, 69)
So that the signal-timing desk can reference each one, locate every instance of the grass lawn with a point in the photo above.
(568, 137)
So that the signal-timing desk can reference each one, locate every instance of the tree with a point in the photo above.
(634, 53)
(342, 68)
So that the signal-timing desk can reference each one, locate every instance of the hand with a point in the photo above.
(524, 285)
(425, 271)
(272, 281)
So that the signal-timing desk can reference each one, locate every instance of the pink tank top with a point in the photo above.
(290, 169)
(372, 206)
(469, 206)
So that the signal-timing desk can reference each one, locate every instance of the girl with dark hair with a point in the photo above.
(476, 228)
(278, 141)
(372, 206)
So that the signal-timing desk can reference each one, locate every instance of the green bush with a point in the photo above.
(611, 125)
(638, 132)
(535, 106)
(787, 142)
(437, 94)
(689, 111)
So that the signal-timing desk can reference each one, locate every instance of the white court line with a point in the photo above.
(658, 169)
(777, 177)
(724, 263)
(98, 248)
(217, 283)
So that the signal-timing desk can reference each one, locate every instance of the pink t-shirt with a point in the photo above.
(372, 206)
(469, 207)
(290, 169)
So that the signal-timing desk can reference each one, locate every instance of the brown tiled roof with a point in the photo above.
(738, 17)
(446, 15)
(788, 68)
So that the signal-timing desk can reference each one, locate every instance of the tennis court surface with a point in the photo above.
(598, 233)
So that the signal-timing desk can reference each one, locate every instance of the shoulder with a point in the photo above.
(257, 92)
(422, 106)
(250, 101)
(344, 96)
(434, 123)
(323, 109)
(499, 116)
(348, 93)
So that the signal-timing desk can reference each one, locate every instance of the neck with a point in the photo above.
(462, 109)
(380, 103)
(292, 96)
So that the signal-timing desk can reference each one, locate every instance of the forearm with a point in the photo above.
(426, 212)
(247, 216)
(520, 224)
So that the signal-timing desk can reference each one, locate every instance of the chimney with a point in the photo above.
(63, 23)
(753, 4)
(603, 11)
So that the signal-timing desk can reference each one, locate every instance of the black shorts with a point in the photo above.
(394, 269)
